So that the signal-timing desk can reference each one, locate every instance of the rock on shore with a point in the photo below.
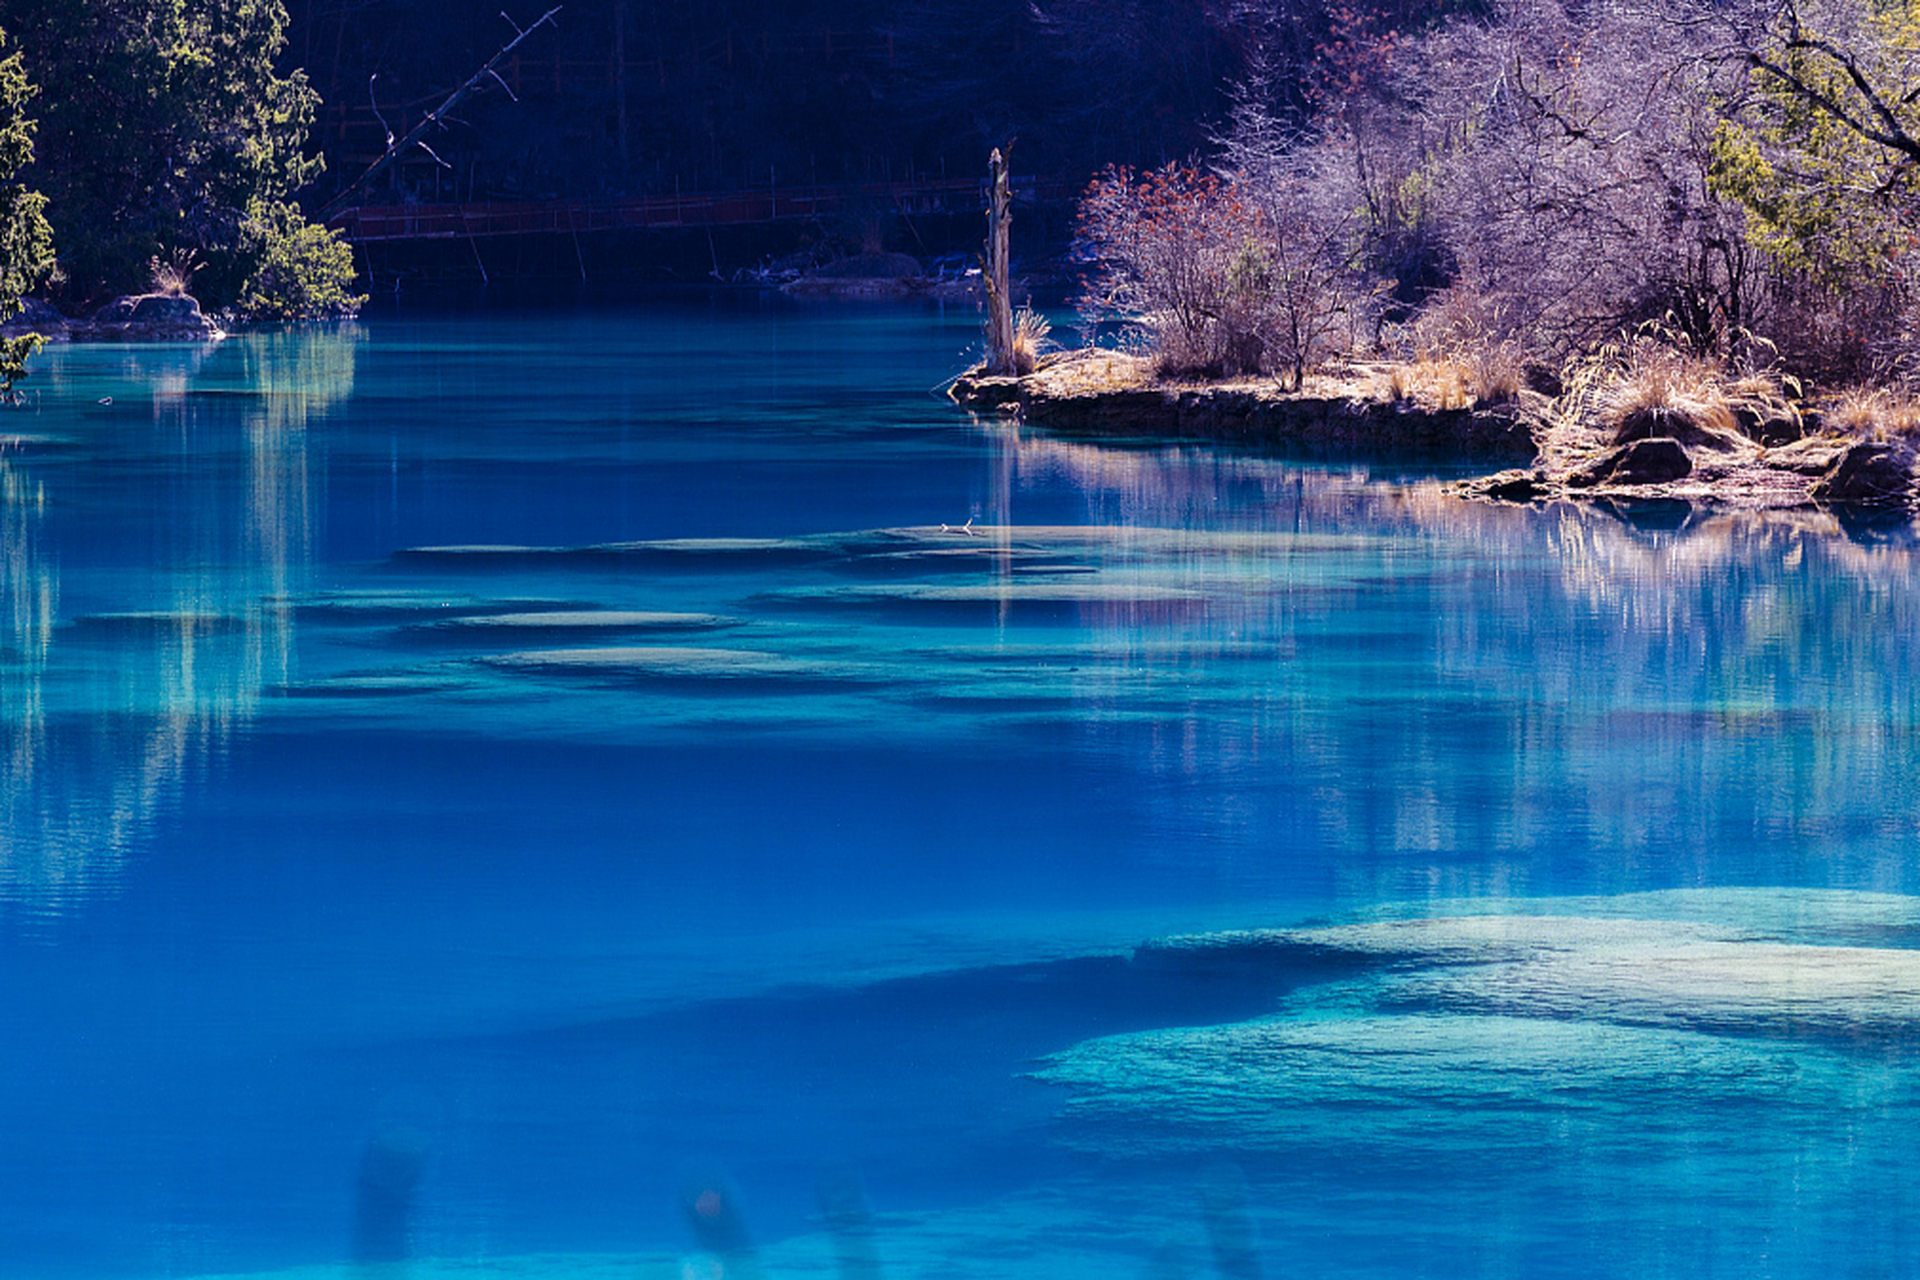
(36, 316)
(149, 317)
(1828, 469)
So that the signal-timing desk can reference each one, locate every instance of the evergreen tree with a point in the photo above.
(1823, 152)
(162, 123)
(26, 241)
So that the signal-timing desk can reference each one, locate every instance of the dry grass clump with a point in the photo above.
(173, 275)
(1651, 385)
(1089, 371)
(1661, 390)
(1030, 340)
(1872, 413)
(1455, 380)
(1456, 353)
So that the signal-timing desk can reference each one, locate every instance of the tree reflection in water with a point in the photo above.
(1452, 686)
(108, 714)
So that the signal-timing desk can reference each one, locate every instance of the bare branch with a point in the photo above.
(1896, 136)
(473, 84)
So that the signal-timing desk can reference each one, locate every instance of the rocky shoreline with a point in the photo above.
(1553, 449)
(149, 317)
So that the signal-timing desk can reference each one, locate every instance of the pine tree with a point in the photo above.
(163, 122)
(26, 241)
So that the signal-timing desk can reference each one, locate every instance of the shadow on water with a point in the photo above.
(385, 1194)
(1649, 515)
(711, 1207)
(849, 1218)
(1874, 526)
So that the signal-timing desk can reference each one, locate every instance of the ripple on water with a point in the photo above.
(984, 602)
(719, 667)
(154, 623)
(412, 606)
(493, 628)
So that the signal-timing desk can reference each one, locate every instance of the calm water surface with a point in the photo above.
(654, 792)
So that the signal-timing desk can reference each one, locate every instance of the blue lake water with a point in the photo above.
(661, 792)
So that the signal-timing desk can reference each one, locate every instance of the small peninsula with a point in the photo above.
(1628, 437)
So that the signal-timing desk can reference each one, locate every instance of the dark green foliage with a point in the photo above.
(636, 96)
(302, 271)
(161, 122)
(26, 242)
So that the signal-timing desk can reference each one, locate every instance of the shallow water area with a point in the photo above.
(478, 788)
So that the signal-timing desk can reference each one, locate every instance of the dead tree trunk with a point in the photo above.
(620, 85)
(1001, 357)
(416, 135)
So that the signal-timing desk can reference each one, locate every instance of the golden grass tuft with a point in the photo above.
(1873, 414)
(173, 275)
(1456, 353)
(1030, 340)
(1659, 389)
(1454, 380)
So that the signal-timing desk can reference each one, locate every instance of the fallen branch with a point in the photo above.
(415, 136)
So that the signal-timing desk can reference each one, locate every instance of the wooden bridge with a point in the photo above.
(372, 224)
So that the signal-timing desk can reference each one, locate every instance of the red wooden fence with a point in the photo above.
(369, 223)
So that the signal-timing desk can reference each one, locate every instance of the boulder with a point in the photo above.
(165, 308)
(1543, 380)
(1809, 456)
(149, 317)
(37, 315)
(865, 275)
(1868, 474)
(870, 266)
(1512, 486)
(1651, 461)
(1681, 425)
(1769, 430)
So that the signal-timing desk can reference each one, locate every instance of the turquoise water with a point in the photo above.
(658, 792)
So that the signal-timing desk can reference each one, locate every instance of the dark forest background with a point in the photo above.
(630, 97)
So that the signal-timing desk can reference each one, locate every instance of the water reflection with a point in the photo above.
(32, 863)
(386, 1189)
(539, 828)
(107, 713)
(1452, 688)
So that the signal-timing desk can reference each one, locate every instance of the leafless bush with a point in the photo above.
(1843, 337)
(1183, 252)
(1315, 295)
(1241, 275)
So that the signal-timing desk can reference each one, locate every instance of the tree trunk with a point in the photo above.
(620, 86)
(1000, 353)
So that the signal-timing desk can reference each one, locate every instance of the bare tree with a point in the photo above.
(1309, 269)
(1001, 356)
(1565, 162)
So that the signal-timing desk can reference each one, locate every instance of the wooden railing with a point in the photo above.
(369, 223)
